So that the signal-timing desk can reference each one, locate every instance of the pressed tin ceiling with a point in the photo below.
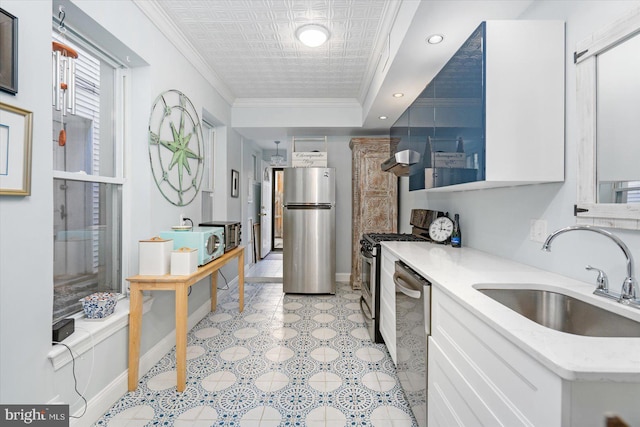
(247, 49)
(251, 44)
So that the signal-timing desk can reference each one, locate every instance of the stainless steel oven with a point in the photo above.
(371, 258)
(368, 301)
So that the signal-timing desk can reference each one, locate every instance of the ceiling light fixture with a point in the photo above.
(435, 38)
(398, 95)
(312, 35)
(277, 159)
(383, 117)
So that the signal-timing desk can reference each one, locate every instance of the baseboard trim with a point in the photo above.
(343, 277)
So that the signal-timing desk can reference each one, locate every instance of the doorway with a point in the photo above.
(277, 209)
(268, 268)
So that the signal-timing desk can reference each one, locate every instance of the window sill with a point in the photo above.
(88, 333)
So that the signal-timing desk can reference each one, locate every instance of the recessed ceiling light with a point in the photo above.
(383, 117)
(312, 35)
(435, 38)
(398, 95)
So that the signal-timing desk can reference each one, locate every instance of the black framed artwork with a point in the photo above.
(8, 52)
(235, 183)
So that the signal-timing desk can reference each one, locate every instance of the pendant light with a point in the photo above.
(277, 159)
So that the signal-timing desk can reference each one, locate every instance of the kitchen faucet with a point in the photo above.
(630, 284)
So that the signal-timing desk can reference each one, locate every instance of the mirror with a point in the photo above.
(608, 89)
(618, 124)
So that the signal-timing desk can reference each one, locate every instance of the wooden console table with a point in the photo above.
(180, 285)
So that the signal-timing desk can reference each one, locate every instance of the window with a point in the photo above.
(87, 183)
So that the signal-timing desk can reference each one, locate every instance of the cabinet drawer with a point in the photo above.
(452, 401)
(500, 375)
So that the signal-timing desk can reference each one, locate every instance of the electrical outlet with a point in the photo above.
(538, 230)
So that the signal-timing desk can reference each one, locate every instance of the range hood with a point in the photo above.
(399, 163)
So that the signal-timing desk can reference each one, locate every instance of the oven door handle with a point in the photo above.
(367, 312)
(404, 287)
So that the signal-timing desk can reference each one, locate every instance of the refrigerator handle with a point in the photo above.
(308, 207)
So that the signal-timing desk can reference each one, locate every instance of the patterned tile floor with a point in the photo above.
(287, 360)
(268, 269)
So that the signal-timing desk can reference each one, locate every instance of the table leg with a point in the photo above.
(135, 325)
(241, 280)
(181, 334)
(214, 290)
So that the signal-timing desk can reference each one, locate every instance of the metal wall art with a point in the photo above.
(176, 150)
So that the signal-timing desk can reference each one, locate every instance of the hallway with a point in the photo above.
(268, 270)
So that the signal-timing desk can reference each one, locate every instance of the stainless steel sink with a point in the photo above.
(565, 313)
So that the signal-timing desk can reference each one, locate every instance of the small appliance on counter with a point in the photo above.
(209, 241)
(232, 232)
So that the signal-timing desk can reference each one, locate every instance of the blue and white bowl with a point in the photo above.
(99, 305)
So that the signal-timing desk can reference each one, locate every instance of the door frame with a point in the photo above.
(274, 170)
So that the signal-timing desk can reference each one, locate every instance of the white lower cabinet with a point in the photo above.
(388, 302)
(479, 378)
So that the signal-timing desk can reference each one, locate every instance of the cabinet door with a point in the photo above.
(506, 77)
(478, 377)
(388, 302)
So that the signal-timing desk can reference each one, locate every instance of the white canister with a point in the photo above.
(154, 256)
(184, 261)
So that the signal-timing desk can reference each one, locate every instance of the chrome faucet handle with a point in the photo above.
(629, 289)
(602, 280)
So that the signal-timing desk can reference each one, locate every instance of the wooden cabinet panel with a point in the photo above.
(374, 196)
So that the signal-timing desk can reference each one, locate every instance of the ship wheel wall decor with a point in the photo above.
(175, 147)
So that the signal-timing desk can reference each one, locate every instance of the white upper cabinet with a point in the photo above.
(494, 115)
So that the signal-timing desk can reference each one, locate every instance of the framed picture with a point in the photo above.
(8, 52)
(235, 182)
(15, 150)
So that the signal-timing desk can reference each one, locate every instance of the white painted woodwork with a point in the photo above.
(487, 379)
(388, 302)
(611, 215)
(478, 377)
(266, 211)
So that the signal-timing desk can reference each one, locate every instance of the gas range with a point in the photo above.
(370, 259)
(370, 240)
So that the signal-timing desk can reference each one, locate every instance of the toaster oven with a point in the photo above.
(232, 232)
(208, 241)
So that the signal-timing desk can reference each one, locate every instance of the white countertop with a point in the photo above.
(573, 357)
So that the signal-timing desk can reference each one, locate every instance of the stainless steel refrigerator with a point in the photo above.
(309, 241)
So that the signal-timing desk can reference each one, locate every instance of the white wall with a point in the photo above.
(26, 257)
(498, 220)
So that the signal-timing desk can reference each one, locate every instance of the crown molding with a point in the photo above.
(166, 26)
